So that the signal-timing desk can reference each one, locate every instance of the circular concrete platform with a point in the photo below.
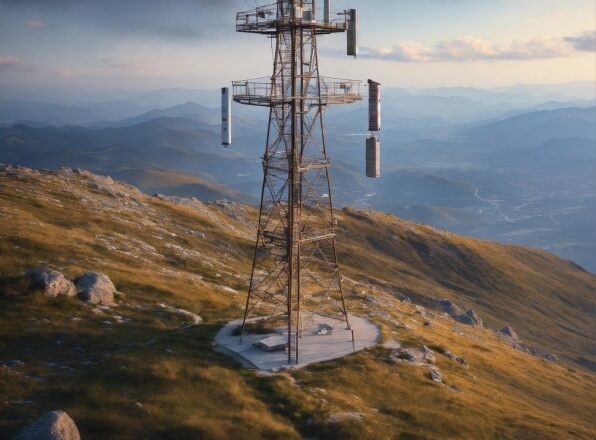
(316, 345)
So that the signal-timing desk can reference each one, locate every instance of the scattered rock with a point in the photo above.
(96, 288)
(403, 298)
(470, 318)
(449, 307)
(15, 363)
(193, 317)
(538, 352)
(345, 417)
(51, 282)
(510, 334)
(55, 425)
(436, 375)
(422, 355)
(461, 360)
(428, 354)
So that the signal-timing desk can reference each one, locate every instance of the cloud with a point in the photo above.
(471, 49)
(123, 64)
(584, 42)
(35, 24)
(12, 64)
(179, 20)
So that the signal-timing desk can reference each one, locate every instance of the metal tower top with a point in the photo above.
(288, 14)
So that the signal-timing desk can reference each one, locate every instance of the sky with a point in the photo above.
(106, 45)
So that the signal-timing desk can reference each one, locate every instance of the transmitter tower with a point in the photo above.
(295, 272)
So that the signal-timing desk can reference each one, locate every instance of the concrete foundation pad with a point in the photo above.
(314, 347)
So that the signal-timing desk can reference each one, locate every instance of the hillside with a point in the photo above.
(138, 370)
(527, 178)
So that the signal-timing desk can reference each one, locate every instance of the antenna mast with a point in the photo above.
(295, 271)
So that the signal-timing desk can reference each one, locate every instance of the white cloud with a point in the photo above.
(10, 63)
(470, 49)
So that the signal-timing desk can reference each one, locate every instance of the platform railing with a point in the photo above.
(263, 92)
(266, 20)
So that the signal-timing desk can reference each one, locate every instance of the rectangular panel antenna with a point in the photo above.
(352, 33)
(374, 106)
(226, 117)
(373, 157)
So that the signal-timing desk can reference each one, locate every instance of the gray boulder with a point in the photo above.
(449, 307)
(422, 355)
(345, 417)
(55, 425)
(470, 318)
(51, 282)
(436, 375)
(96, 288)
(509, 333)
(428, 355)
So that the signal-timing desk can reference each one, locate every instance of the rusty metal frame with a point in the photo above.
(295, 267)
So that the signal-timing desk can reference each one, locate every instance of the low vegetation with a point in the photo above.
(139, 370)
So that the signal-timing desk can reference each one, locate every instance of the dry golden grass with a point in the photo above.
(154, 378)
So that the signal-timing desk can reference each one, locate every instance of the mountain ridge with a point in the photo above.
(159, 378)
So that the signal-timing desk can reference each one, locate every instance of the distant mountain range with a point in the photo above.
(526, 178)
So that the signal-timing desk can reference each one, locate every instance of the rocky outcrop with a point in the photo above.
(55, 425)
(345, 417)
(455, 358)
(422, 355)
(51, 282)
(510, 336)
(96, 288)
(469, 317)
(435, 375)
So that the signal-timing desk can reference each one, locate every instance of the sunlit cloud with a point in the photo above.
(471, 49)
(35, 24)
(10, 63)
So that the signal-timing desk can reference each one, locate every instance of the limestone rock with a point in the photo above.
(96, 288)
(422, 355)
(55, 425)
(428, 355)
(436, 375)
(449, 307)
(509, 333)
(345, 417)
(403, 298)
(51, 282)
(510, 337)
(470, 318)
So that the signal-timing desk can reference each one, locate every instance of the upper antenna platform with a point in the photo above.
(273, 18)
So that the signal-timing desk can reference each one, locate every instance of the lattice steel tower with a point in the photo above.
(295, 270)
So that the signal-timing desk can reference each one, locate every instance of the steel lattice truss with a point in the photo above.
(295, 270)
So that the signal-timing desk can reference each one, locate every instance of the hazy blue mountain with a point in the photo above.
(189, 110)
(531, 129)
(528, 178)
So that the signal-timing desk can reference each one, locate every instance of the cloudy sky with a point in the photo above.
(143, 44)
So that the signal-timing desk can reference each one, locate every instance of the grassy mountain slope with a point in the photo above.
(147, 374)
(156, 181)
